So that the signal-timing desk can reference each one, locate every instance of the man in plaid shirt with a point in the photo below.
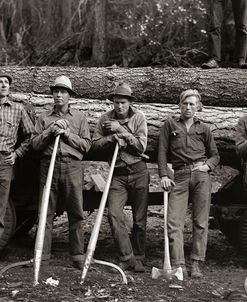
(13, 117)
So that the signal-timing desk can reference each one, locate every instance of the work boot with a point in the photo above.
(128, 265)
(78, 264)
(212, 63)
(195, 270)
(139, 267)
(242, 64)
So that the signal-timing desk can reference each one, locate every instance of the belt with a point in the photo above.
(128, 169)
(189, 166)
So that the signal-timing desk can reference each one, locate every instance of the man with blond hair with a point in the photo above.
(189, 145)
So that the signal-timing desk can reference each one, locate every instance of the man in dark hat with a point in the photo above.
(13, 116)
(190, 146)
(127, 126)
(66, 188)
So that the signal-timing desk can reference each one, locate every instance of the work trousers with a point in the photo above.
(240, 16)
(196, 187)
(6, 172)
(132, 187)
(66, 191)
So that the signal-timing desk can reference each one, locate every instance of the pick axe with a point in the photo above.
(96, 228)
(167, 272)
(39, 242)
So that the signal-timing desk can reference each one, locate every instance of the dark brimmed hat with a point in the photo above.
(122, 90)
(5, 75)
(62, 82)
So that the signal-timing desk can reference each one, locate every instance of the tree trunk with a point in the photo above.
(222, 87)
(99, 39)
(221, 120)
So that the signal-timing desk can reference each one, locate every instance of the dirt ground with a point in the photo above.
(225, 270)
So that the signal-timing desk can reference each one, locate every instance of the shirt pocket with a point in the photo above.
(176, 139)
(8, 128)
(197, 140)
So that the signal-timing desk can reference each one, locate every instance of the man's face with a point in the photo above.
(189, 107)
(4, 86)
(61, 96)
(121, 105)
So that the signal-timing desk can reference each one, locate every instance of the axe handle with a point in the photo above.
(167, 262)
(95, 232)
(39, 242)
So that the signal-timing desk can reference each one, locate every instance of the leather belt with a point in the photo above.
(189, 166)
(128, 169)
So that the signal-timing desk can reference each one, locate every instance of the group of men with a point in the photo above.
(184, 141)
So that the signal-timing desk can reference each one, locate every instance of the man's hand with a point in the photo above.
(121, 142)
(112, 126)
(166, 183)
(10, 159)
(62, 123)
(202, 168)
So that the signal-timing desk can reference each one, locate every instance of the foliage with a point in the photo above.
(137, 33)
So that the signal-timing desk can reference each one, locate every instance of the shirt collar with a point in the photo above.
(52, 111)
(7, 101)
(195, 120)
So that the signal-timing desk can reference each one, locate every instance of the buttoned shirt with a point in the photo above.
(135, 128)
(182, 147)
(75, 145)
(13, 117)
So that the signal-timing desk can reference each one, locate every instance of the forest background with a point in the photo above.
(126, 33)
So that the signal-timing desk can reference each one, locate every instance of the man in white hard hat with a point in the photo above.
(66, 188)
(13, 117)
(127, 126)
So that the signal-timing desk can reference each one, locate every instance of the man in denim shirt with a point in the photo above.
(189, 145)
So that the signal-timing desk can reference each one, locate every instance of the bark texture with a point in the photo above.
(220, 87)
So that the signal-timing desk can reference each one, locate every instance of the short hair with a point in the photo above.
(191, 92)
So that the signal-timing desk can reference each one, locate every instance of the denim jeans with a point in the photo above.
(66, 193)
(6, 172)
(194, 186)
(240, 16)
(133, 187)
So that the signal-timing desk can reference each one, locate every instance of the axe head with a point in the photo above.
(167, 274)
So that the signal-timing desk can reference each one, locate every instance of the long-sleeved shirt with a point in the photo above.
(13, 117)
(182, 147)
(75, 145)
(241, 137)
(135, 129)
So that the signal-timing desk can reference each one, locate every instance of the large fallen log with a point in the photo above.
(219, 87)
(221, 120)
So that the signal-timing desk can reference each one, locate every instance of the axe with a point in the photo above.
(167, 272)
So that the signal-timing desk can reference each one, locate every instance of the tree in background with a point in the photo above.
(103, 32)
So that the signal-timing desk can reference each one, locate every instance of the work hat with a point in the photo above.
(191, 92)
(122, 89)
(5, 75)
(62, 82)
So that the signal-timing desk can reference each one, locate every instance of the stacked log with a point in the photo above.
(223, 91)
